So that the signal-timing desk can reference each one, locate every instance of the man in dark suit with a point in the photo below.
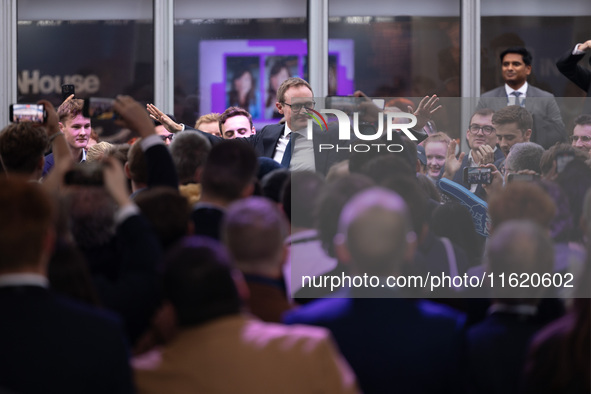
(49, 344)
(482, 140)
(498, 346)
(294, 101)
(579, 75)
(415, 345)
(516, 67)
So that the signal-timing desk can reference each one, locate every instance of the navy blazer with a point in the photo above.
(50, 344)
(548, 126)
(393, 344)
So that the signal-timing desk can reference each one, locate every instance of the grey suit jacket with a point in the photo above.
(548, 126)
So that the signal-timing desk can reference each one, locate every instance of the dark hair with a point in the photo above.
(277, 67)
(22, 146)
(454, 221)
(273, 183)
(167, 211)
(584, 119)
(136, 163)
(575, 180)
(230, 167)
(514, 114)
(230, 112)
(527, 58)
(482, 112)
(549, 155)
(189, 150)
(234, 98)
(25, 218)
(198, 281)
(331, 202)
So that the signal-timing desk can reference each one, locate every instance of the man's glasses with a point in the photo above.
(298, 107)
(475, 128)
(167, 137)
(583, 138)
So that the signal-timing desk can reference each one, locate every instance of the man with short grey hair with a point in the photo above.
(524, 156)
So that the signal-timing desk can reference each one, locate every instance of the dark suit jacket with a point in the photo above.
(50, 344)
(579, 75)
(459, 176)
(548, 125)
(393, 345)
(265, 141)
(497, 350)
(208, 221)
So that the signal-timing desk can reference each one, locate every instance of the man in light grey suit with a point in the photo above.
(516, 67)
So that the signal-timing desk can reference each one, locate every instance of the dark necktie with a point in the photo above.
(287, 154)
(518, 100)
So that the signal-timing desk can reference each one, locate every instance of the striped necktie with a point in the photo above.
(518, 100)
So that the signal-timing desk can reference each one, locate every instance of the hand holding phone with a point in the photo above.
(27, 113)
(67, 91)
(478, 175)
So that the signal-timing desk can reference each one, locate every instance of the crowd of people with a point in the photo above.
(220, 258)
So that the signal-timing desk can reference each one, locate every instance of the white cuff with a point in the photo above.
(126, 212)
(576, 50)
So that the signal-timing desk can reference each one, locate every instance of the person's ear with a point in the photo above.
(527, 134)
(126, 170)
(279, 107)
(61, 125)
(528, 70)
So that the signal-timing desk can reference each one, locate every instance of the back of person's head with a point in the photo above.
(230, 112)
(70, 109)
(137, 168)
(524, 156)
(273, 183)
(514, 114)
(518, 247)
(167, 211)
(453, 220)
(300, 196)
(331, 201)
(229, 170)
(359, 156)
(549, 156)
(25, 223)
(254, 231)
(428, 187)
(527, 57)
(98, 151)
(198, 281)
(562, 224)
(189, 150)
(375, 227)
(575, 180)
(22, 146)
(290, 83)
(521, 200)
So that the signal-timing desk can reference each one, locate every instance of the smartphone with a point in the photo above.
(85, 174)
(522, 177)
(67, 91)
(27, 113)
(99, 108)
(477, 175)
(562, 159)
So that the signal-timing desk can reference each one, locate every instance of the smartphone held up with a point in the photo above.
(35, 113)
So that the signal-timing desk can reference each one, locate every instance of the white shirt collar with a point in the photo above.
(522, 89)
(24, 280)
(286, 131)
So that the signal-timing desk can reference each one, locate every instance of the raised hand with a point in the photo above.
(161, 117)
(452, 164)
(427, 107)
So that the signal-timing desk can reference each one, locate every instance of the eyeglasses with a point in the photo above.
(167, 137)
(298, 107)
(474, 128)
(583, 138)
